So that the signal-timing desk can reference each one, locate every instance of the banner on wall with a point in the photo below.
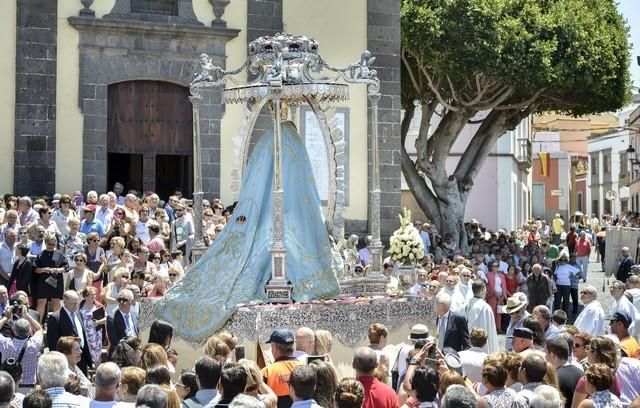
(618, 237)
(544, 163)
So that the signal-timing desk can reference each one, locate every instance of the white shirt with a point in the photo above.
(498, 285)
(624, 306)
(7, 257)
(591, 319)
(75, 319)
(105, 217)
(563, 274)
(142, 231)
(472, 360)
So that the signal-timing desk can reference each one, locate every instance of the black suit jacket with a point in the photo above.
(59, 325)
(116, 328)
(624, 269)
(456, 334)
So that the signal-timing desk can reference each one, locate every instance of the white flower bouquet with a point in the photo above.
(406, 245)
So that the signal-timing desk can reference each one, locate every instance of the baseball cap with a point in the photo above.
(523, 333)
(282, 336)
(90, 207)
(620, 317)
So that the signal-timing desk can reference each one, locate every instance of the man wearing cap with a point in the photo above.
(90, 224)
(277, 374)
(516, 308)
(591, 319)
(558, 228)
(418, 331)
(479, 314)
(619, 323)
(521, 339)
(623, 305)
(624, 269)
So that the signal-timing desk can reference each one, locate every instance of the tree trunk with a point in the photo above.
(451, 209)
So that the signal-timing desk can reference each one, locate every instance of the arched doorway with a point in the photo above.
(149, 137)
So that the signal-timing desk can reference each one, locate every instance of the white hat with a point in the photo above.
(514, 303)
(418, 331)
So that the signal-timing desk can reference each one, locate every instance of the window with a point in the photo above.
(162, 7)
(606, 163)
(624, 165)
(594, 207)
(579, 201)
(594, 164)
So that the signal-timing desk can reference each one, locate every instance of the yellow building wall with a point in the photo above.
(69, 121)
(236, 17)
(7, 93)
(340, 27)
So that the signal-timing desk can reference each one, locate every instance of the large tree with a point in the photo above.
(493, 63)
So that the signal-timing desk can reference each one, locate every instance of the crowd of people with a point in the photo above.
(73, 270)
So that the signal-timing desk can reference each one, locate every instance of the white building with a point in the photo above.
(500, 197)
(609, 170)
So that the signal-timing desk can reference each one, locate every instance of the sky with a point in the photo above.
(630, 9)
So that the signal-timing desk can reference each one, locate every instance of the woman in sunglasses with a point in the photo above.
(79, 277)
(50, 267)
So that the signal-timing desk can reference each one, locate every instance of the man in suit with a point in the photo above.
(19, 298)
(452, 327)
(625, 266)
(124, 321)
(68, 322)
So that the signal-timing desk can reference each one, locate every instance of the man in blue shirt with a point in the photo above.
(90, 224)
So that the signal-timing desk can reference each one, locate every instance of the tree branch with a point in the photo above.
(523, 104)
(434, 89)
(416, 86)
(425, 198)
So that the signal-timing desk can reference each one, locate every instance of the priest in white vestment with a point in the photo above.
(479, 314)
(591, 319)
(462, 292)
(623, 305)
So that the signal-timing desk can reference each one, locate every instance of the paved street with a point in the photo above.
(596, 278)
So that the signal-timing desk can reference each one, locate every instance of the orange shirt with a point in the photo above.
(277, 375)
(630, 347)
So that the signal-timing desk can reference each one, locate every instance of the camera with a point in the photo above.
(16, 307)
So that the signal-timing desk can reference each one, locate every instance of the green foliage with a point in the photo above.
(568, 55)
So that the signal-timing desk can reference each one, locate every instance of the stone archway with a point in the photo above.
(126, 46)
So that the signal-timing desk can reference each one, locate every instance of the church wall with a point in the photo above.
(7, 93)
(341, 29)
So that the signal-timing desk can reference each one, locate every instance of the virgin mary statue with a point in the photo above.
(237, 265)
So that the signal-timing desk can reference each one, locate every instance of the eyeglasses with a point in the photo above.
(144, 212)
(578, 345)
(78, 260)
(51, 244)
(173, 275)
(584, 292)
(179, 210)
(122, 300)
(24, 233)
(94, 240)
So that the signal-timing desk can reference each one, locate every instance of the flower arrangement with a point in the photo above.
(406, 245)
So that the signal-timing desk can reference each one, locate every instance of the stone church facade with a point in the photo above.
(98, 90)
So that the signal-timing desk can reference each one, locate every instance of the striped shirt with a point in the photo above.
(11, 347)
(62, 399)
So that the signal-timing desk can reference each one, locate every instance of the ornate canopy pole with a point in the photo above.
(376, 283)
(278, 289)
(198, 247)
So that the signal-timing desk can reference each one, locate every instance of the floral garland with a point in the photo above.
(406, 244)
